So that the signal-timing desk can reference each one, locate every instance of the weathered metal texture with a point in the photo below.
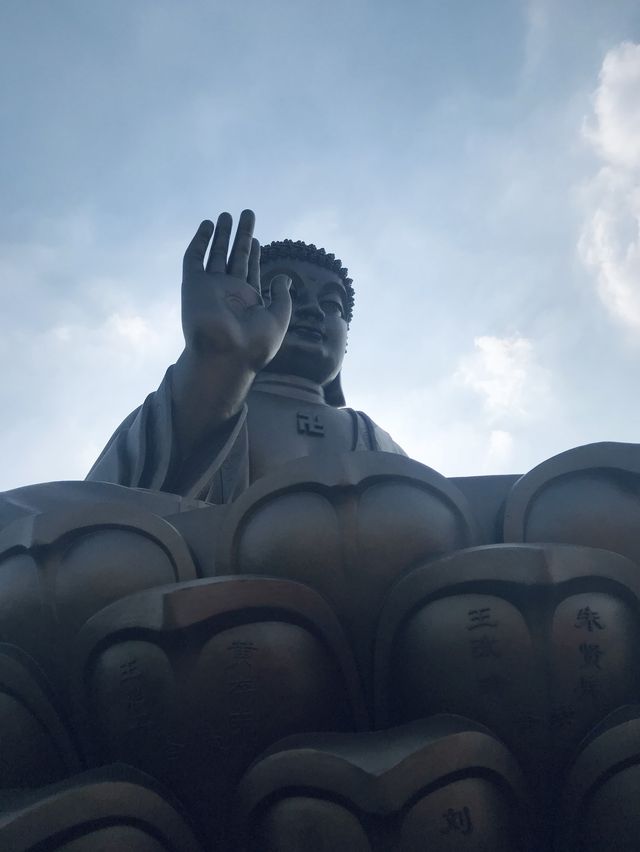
(439, 784)
(348, 526)
(190, 682)
(588, 495)
(539, 642)
(114, 808)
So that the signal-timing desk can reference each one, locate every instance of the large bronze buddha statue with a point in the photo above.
(260, 626)
(258, 383)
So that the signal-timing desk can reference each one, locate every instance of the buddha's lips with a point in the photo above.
(308, 331)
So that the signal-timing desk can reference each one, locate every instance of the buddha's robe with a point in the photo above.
(284, 418)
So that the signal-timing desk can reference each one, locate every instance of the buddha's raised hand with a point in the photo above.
(223, 312)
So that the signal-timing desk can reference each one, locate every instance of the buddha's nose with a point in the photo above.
(310, 309)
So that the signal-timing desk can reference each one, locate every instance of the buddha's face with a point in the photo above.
(314, 344)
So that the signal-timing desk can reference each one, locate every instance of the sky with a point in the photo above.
(476, 166)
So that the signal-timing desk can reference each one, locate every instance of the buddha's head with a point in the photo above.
(322, 306)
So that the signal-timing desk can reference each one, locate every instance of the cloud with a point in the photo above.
(90, 333)
(504, 372)
(476, 419)
(609, 244)
(77, 380)
(614, 128)
(501, 447)
(124, 338)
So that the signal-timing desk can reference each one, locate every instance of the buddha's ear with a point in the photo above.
(333, 393)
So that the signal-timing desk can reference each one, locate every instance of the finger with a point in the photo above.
(217, 261)
(196, 250)
(239, 258)
(254, 265)
(280, 305)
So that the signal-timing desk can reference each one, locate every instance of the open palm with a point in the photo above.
(223, 312)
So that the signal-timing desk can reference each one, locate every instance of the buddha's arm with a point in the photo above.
(206, 395)
(144, 451)
(230, 335)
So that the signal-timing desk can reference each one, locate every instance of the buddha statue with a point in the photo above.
(256, 391)
(258, 383)
(244, 632)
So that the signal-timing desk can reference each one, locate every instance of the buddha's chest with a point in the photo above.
(282, 429)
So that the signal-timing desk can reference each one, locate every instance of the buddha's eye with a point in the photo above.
(333, 307)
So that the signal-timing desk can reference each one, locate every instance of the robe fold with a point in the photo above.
(142, 452)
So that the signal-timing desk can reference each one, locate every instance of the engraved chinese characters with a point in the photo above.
(58, 569)
(538, 642)
(349, 526)
(191, 682)
(443, 784)
(61, 567)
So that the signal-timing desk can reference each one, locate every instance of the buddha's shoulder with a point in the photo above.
(371, 436)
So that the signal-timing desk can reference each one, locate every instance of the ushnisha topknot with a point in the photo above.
(297, 250)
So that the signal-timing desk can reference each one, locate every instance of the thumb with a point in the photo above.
(280, 304)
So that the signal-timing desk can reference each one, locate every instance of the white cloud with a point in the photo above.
(125, 338)
(474, 420)
(77, 381)
(615, 126)
(90, 344)
(501, 446)
(504, 372)
(610, 240)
